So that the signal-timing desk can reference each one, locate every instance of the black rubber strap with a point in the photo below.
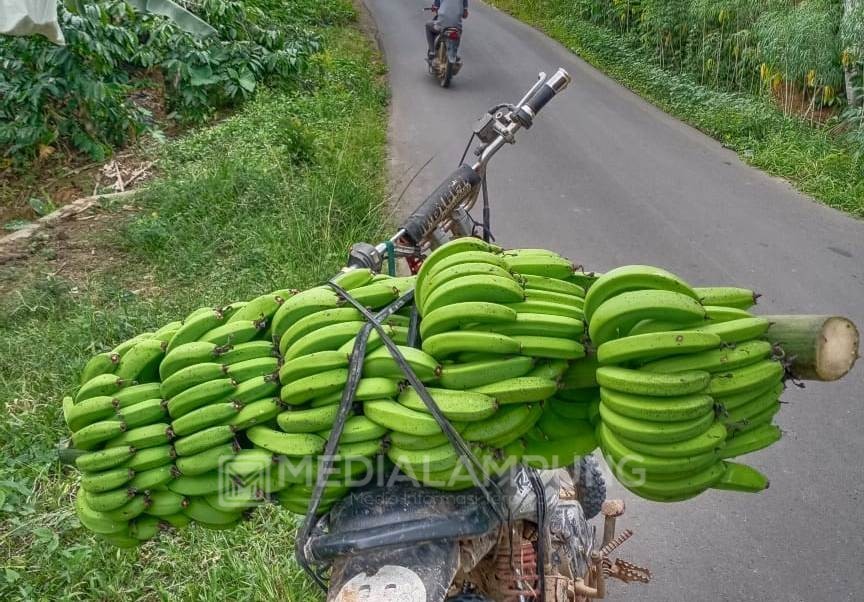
(473, 466)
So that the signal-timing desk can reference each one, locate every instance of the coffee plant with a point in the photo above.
(80, 97)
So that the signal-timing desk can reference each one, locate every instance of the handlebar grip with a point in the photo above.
(457, 188)
(526, 113)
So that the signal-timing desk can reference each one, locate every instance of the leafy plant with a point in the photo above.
(79, 96)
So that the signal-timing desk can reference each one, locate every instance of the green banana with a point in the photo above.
(543, 325)
(254, 389)
(165, 333)
(380, 363)
(242, 352)
(715, 360)
(616, 450)
(200, 485)
(257, 412)
(101, 363)
(207, 460)
(465, 269)
(243, 371)
(654, 409)
(358, 450)
(746, 443)
(550, 347)
(712, 439)
(376, 295)
(656, 345)
(143, 436)
(99, 432)
(398, 418)
(633, 278)
(125, 346)
(731, 402)
(618, 315)
(749, 377)
(367, 389)
(201, 395)
(108, 501)
(740, 477)
(150, 457)
(103, 459)
(351, 278)
(316, 321)
(177, 521)
(166, 503)
(305, 389)
(132, 509)
(236, 500)
(654, 432)
(194, 326)
(550, 369)
(737, 331)
(583, 279)
(502, 423)
(460, 406)
(100, 386)
(153, 478)
(96, 521)
(454, 252)
(262, 308)
(443, 345)
(183, 356)
(572, 301)
(533, 306)
(250, 462)
(89, 411)
(397, 334)
(550, 266)
(100, 482)
(204, 440)
(553, 285)
(417, 442)
(639, 382)
(494, 289)
(455, 315)
(328, 338)
(312, 364)
(141, 363)
(434, 459)
(521, 429)
(521, 389)
(752, 408)
(142, 413)
(313, 420)
(301, 305)
(358, 429)
(288, 444)
(202, 512)
(718, 313)
(192, 376)
(484, 372)
(204, 417)
(726, 296)
(234, 333)
(673, 489)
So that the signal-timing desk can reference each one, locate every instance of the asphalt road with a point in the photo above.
(607, 179)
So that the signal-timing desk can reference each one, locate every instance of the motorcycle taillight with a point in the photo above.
(453, 34)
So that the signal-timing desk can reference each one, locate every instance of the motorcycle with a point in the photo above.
(445, 61)
(523, 537)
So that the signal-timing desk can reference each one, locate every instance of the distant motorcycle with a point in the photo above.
(445, 61)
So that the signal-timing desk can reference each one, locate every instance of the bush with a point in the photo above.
(79, 96)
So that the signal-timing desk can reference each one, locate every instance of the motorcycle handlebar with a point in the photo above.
(452, 192)
(526, 113)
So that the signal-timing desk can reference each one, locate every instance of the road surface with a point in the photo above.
(607, 179)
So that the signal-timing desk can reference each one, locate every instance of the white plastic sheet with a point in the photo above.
(30, 17)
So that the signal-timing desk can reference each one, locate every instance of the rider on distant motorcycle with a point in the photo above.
(448, 13)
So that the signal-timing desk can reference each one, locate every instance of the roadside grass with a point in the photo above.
(810, 157)
(270, 198)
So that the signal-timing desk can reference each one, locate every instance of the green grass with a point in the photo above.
(811, 158)
(270, 198)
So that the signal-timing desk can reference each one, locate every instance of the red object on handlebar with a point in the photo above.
(453, 34)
